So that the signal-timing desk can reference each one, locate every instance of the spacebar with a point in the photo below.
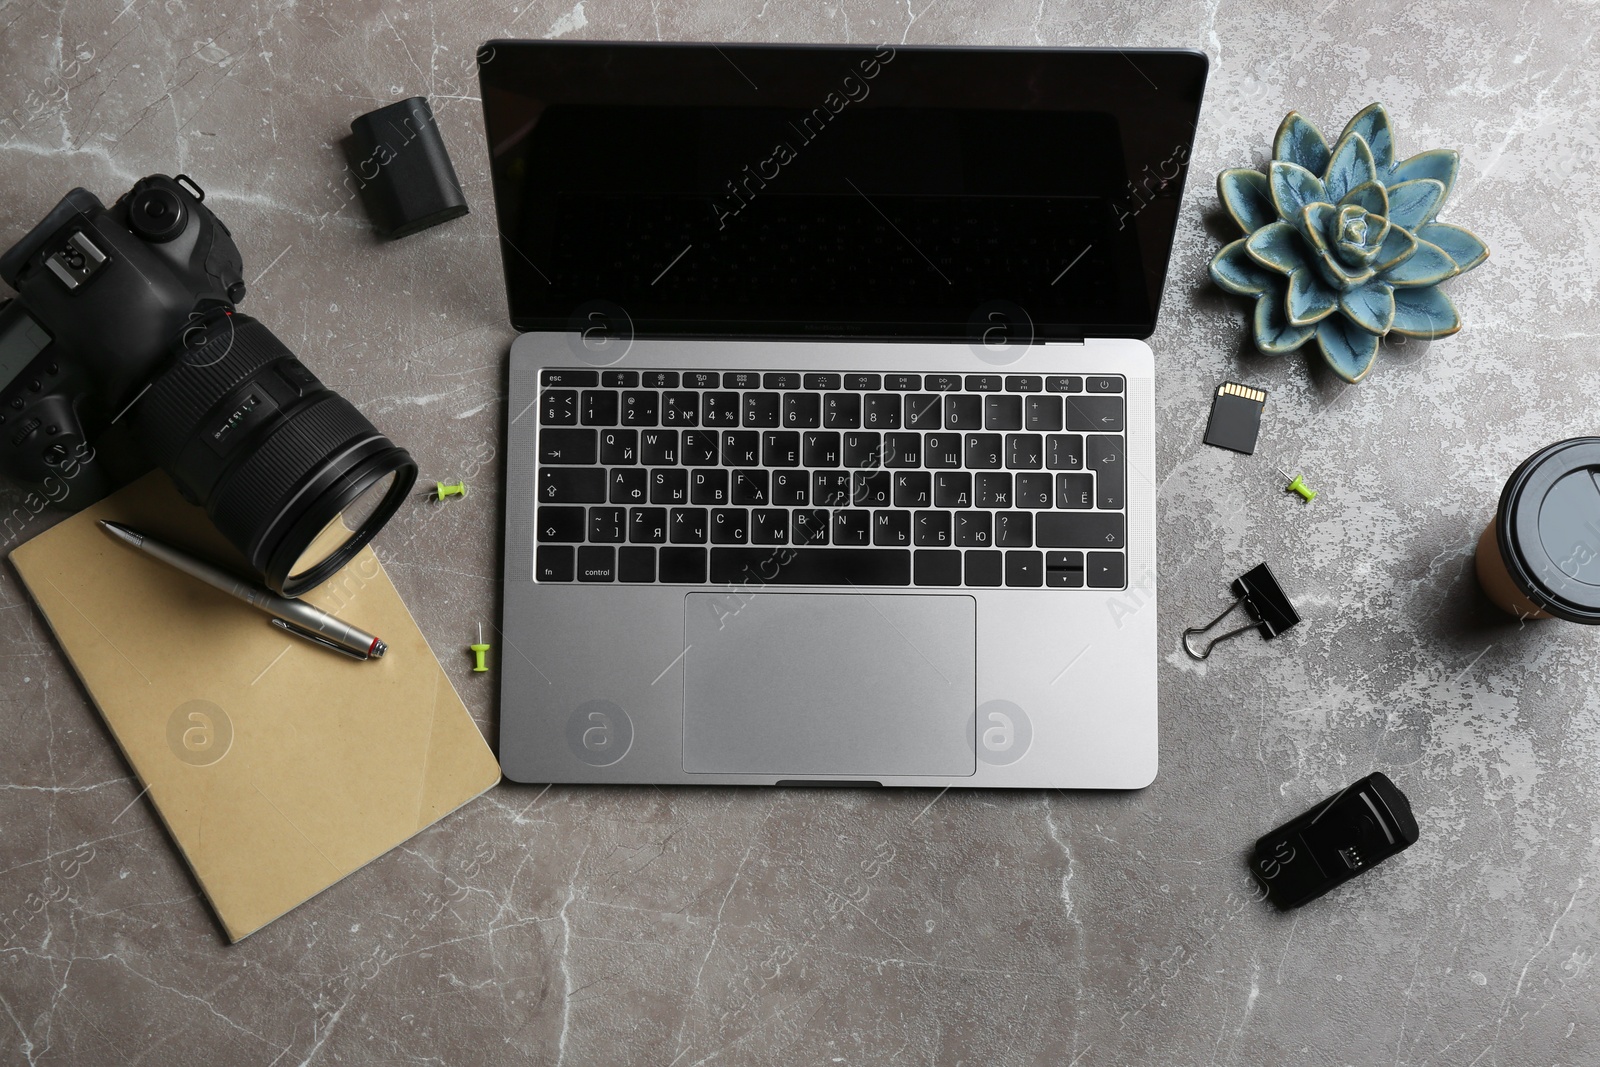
(782, 565)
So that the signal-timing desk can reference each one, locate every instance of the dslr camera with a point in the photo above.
(128, 314)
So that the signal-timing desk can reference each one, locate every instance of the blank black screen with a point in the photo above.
(779, 191)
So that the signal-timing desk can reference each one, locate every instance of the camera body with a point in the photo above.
(127, 315)
(106, 298)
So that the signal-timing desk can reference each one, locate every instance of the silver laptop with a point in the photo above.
(830, 446)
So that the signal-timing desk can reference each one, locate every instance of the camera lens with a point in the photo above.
(156, 213)
(289, 470)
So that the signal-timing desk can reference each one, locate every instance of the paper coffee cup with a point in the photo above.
(1540, 557)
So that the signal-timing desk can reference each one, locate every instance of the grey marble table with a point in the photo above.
(646, 926)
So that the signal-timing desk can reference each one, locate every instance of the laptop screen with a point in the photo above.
(865, 192)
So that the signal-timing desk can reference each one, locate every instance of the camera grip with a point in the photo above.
(48, 451)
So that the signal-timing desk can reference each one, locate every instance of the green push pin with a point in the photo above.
(478, 651)
(1297, 484)
(459, 489)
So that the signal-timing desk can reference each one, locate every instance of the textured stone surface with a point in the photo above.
(646, 926)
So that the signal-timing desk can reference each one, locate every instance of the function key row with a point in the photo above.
(857, 382)
(839, 410)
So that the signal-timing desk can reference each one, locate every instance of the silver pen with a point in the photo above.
(292, 616)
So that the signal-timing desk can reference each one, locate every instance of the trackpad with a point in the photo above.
(798, 684)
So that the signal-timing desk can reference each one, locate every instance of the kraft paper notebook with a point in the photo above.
(278, 767)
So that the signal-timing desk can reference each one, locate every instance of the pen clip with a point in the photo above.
(314, 638)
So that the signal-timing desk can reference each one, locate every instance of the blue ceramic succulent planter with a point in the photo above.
(1342, 244)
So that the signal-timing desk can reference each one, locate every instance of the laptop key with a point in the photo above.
(1103, 383)
(647, 526)
(809, 526)
(1013, 529)
(660, 379)
(934, 567)
(923, 411)
(1024, 383)
(680, 409)
(941, 451)
(991, 490)
(629, 485)
(820, 448)
(952, 489)
(942, 383)
(761, 409)
(1074, 492)
(1042, 412)
(984, 383)
(902, 383)
(930, 529)
(741, 379)
(1034, 491)
(1063, 570)
(567, 377)
(1024, 451)
(597, 563)
(560, 524)
(700, 448)
(1105, 570)
(701, 379)
(750, 488)
(558, 407)
(572, 485)
(640, 408)
(669, 487)
(812, 566)
(687, 526)
(636, 564)
(802, 410)
(658, 448)
(1063, 383)
(963, 412)
(619, 448)
(741, 448)
(683, 566)
(871, 489)
(973, 529)
(1099, 413)
(984, 450)
(780, 448)
(708, 486)
(902, 450)
(619, 379)
(780, 379)
(863, 382)
(880, 411)
(730, 526)
(830, 489)
(891, 528)
(1025, 570)
(983, 567)
(1003, 412)
(913, 489)
(1063, 451)
(1106, 459)
(1054, 529)
(719, 409)
(568, 446)
(598, 407)
(820, 381)
(790, 489)
(554, 563)
(841, 411)
(852, 527)
(863, 449)
(769, 526)
(608, 526)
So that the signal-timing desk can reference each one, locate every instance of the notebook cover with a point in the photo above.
(278, 767)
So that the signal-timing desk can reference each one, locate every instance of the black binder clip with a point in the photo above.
(1263, 598)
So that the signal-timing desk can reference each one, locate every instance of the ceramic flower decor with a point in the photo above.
(1341, 244)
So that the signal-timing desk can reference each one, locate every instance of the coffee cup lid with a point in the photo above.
(1549, 529)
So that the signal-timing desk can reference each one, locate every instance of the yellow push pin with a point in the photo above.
(478, 650)
(459, 489)
(1297, 484)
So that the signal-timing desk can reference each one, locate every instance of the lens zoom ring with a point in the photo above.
(249, 499)
(166, 417)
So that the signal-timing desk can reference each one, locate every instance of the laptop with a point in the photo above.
(830, 428)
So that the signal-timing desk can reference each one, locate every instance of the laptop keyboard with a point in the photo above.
(833, 478)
